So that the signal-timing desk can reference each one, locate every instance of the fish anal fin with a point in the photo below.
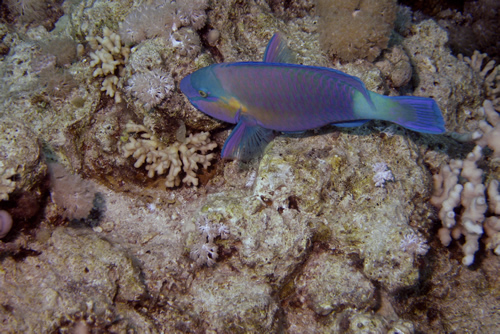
(277, 51)
(247, 140)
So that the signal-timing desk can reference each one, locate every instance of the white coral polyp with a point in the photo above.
(150, 88)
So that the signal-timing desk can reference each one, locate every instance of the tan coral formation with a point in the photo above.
(108, 58)
(449, 195)
(490, 129)
(160, 158)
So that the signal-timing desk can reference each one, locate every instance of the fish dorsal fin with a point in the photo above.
(277, 51)
(247, 140)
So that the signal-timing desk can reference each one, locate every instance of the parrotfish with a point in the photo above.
(276, 95)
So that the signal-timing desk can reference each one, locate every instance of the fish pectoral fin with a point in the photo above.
(247, 140)
(351, 124)
(277, 51)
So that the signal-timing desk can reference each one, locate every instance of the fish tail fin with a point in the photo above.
(419, 114)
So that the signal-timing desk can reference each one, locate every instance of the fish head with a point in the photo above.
(205, 91)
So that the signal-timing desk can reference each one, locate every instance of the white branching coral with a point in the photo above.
(160, 158)
(470, 198)
(151, 87)
(490, 129)
(108, 58)
(382, 174)
(206, 251)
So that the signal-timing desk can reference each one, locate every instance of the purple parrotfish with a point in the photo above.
(275, 95)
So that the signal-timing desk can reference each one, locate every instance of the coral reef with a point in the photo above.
(168, 17)
(490, 129)
(353, 30)
(304, 240)
(66, 260)
(451, 82)
(108, 57)
(160, 158)
(449, 195)
(21, 167)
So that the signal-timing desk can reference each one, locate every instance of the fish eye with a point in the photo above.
(202, 93)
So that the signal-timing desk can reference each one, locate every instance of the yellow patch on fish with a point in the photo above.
(232, 104)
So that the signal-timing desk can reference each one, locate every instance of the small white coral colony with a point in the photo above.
(151, 87)
(160, 158)
(108, 57)
(449, 195)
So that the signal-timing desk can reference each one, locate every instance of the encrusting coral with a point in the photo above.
(108, 57)
(449, 194)
(160, 158)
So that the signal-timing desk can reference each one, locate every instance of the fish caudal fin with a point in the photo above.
(247, 140)
(419, 114)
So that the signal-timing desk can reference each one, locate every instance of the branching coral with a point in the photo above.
(490, 129)
(449, 195)
(108, 57)
(489, 72)
(160, 158)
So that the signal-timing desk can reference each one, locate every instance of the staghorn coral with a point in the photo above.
(449, 195)
(160, 158)
(108, 58)
(352, 30)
